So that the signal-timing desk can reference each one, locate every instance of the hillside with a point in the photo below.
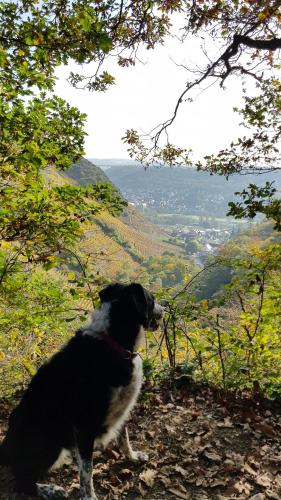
(114, 242)
(179, 190)
(258, 237)
(85, 172)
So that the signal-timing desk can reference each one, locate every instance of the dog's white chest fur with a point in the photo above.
(122, 402)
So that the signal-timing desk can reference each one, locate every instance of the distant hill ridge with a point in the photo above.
(179, 189)
(85, 172)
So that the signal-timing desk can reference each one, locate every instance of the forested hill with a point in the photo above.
(179, 189)
(85, 172)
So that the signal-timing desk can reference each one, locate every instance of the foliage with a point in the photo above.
(37, 37)
(259, 149)
(259, 152)
(192, 246)
(236, 342)
(38, 129)
(257, 201)
(33, 308)
(210, 283)
(41, 218)
(166, 270)
(43, 221)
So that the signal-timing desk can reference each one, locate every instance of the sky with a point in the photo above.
(145, 95)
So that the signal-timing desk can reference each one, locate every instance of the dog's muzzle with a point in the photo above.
(157, 316)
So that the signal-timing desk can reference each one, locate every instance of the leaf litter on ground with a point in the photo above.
(201, 446)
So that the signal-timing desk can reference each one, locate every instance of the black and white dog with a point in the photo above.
(81, 398)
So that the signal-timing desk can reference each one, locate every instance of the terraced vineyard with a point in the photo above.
(106, 254)
(112, 243)
(145, 244)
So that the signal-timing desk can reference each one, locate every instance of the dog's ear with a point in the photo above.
(111, 292)
(141, 302)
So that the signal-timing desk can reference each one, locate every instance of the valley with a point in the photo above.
(190, 207)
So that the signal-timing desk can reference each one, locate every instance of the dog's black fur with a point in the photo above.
(67, 401)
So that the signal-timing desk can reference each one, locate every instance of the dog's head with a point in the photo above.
(138, 303)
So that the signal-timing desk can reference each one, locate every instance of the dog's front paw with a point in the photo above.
(51, 492)
(138, 456)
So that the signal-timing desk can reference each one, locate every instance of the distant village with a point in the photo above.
(200, 235)
(211, 238)
(189, 206)
(177, 202)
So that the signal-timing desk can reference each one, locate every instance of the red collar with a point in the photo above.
(115, 346)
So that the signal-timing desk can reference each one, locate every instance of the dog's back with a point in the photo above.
(74, 386)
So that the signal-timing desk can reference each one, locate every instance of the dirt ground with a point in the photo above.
(200, 445)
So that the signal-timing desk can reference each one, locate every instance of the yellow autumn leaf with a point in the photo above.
(261, 16)
(5, 244)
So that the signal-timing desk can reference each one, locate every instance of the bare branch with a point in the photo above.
(224, 66)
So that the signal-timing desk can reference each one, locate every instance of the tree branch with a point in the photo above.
(225, 69)
(272, 44)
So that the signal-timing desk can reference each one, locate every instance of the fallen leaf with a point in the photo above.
(200, 481)
(226, 423)
(264, 480)
(126, 472)
(206, 426)
(229, 465)
(265, 449)
(273, 496)
(148, 477)
(151, 434)
(197, 443)
(171, 430)
(195, 413)
(219, 482)
(179, 494)
(276, 459)
(165, 480)
(265, 429)
(181, 470)
(212, 455)
(181, 487)
(231, 490)
(236, 457)
(247, 468)
(114, 489)
(242, 487)
(113, 454)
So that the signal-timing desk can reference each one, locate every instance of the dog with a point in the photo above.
(81, 398)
